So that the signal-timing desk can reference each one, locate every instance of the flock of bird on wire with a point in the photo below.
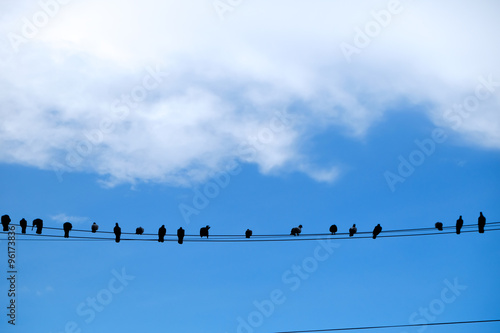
(162, 231)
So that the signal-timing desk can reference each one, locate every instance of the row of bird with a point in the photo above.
(162, 231)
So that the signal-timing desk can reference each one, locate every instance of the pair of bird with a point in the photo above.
(117, 230)
(38, 223)
(163, 231)
(481, 223)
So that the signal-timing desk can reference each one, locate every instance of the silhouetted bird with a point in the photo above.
(353, 230)
(38, 223)
(180, 235)
(94, 227)
(204, 231)
(5, 222)
(118, 232)
(248, 233)
(24, 224)
(139, 231)
(161, 233)
(377, 230)
(296, 231)
(481, 222)
(439, 226)
(333, 229)
(67, 227)
(460, 224)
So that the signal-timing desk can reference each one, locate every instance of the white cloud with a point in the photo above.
(326, 175)
(227, 79)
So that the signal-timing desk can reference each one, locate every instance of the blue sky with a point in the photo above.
(282, 113)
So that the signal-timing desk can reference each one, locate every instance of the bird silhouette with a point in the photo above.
(248, 233)
(439, 226)
(5, 222)
(38, 223)
(67, 226)
(161, 233)
(377, 230)
(180, 235)
(333, 229)
(296, 231)
(481, 222)
(118, 232)
(139, 231)
(94, 227)
(353, 230)
(459, 225)
(24, 224)
(204, 231)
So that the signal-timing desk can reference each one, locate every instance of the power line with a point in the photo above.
(411, 232)
(394, 326)
(286, 235)
(46, 237)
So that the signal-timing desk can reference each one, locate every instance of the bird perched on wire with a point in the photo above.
(94, 227)
(24, 224)
(5, 222)
(353, 230)
(296, 231)
(204, 231)
(333, 229)
(118, 232)
(180, 235)
(161, 233)
(38, 223)
(481, 222)
(139, 231)
(248, 233)
(439, 226)
(460, 224)
(377, 230)
(67, 226)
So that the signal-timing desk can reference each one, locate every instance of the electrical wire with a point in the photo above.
(48, 237)
(465, 226)
(395, 326)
